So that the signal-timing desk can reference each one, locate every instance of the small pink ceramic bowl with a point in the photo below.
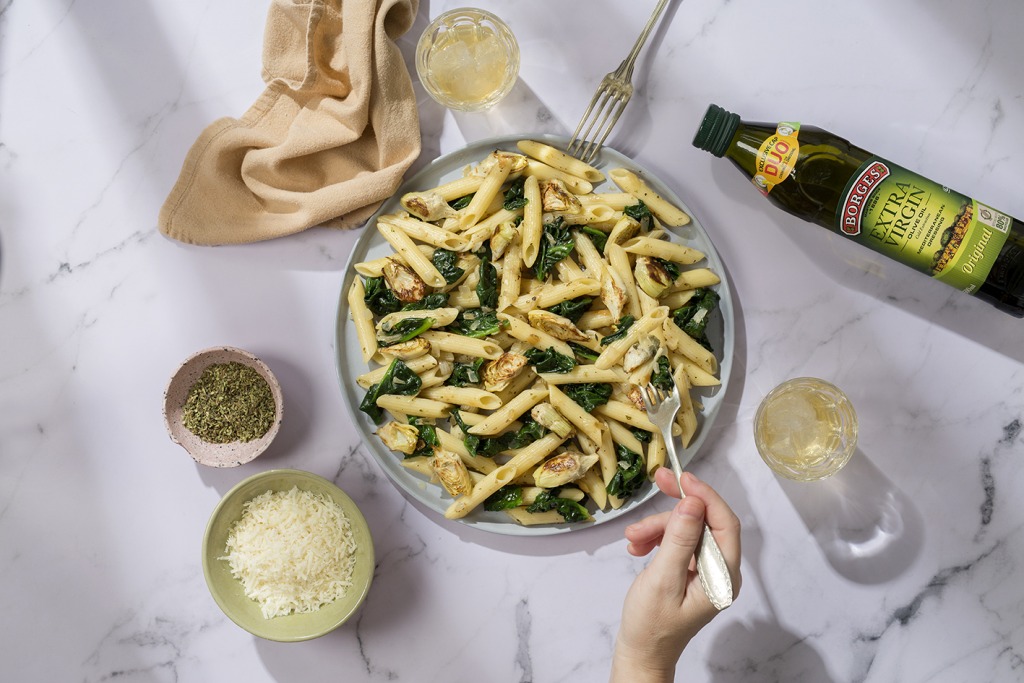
(216, 454)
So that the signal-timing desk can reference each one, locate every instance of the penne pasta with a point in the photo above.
(464, 396)
(581, 419)
(461, 345)
(532, 226)
(485, 194)
(411, 405)
(665, 211)
(363, 319)
(670, 251)
(426, 232)
(403, 244)
(509, 412)
(558, 159)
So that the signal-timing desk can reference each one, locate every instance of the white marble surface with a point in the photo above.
(905, 568)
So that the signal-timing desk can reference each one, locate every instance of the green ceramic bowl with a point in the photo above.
(227, 590)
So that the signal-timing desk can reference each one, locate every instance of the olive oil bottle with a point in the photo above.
(822, 178)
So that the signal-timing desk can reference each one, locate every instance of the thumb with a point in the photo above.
(682, 533)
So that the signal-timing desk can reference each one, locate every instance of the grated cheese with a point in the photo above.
(292, 550)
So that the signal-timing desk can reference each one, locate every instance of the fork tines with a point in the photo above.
(599, 119)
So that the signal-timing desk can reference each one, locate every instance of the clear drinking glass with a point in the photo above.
(806, 429)
(467, 59)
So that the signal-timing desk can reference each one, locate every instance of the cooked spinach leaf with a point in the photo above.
(600, 239)
(471, 441)
(662, 376)
(625, 322)
(446, 262)
(461, 202)
(694, 316)
(629, 475)
(529, 432)
(428, 437)
(476, 323)
(583, 353)
(589, 396)
(671, 267)
(514, 197)
(640, 213)
(556, 243)
(525, 435)
(550, 360)
(379, 298)
(505, 498)
(641, 435)
(487, 287)
(430, 301)
(398, 379)
(466, 373)
(573, 309)
(570, 510)
(404, 330)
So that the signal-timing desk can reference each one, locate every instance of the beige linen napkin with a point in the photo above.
(325, 143)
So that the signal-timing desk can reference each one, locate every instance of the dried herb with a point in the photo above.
(229, 402)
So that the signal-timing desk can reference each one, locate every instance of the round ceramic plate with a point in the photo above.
(227, 591)
(350, 361)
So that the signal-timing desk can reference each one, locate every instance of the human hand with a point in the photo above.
(666, 605)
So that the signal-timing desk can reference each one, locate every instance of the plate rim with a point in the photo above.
(449, 161)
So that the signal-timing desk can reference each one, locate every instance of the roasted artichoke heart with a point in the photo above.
(555, 196)
(501, 240)
(651, 276)
(414, 348)
(640, 352)
(563, 469)
(427, 206)
(636, 397)
(499, 372)
(626, 229)
(517, 163)
(613, 293)
(399, 437)
(548, 417)
(404, 281)
(556, 325)
(452, 472)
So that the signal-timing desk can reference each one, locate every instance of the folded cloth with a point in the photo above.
(327, 141)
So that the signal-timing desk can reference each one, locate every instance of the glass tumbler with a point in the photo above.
(806, 429)
(467, 59)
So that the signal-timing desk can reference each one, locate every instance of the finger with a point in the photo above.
(682, 533)
(645, 535)
(723, 522)
(666, 481)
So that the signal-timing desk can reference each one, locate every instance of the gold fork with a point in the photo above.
(610, 99)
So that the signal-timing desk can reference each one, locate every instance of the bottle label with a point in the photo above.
(920, 223)
(776, 157)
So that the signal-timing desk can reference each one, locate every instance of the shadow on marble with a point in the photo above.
(762, 650)
(521, 111)
(868, 529)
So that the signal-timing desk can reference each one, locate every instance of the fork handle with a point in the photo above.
(627, 64)
(711, 566)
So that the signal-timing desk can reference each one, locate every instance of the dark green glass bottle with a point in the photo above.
(822, 178)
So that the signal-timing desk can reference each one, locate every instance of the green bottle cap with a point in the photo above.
(716, 130)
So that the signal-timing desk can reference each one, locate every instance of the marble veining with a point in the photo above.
(904, 568)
